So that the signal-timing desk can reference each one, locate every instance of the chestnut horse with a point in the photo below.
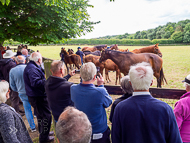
(125, 59)
(114, 47)
(109, 65)
(95, 48)
(150, 49)
(71, 59)
(70, 51)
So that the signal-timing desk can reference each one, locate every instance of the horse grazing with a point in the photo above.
(150, 49)
(125, 59)
(96, 53)
(115, 47)
(71, 59)
(95, 48)
(109, 65)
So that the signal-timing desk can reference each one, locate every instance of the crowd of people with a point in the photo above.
(79, 109)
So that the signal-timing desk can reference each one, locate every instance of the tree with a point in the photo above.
(36, 22)
(177, 36)
(186, 38)
(187, 27)
(170, 29)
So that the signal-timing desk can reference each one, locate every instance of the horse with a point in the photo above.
(71, 59)
(70, 51)
(114, 47)
(125, 59)
(95, 48)
(96, 53)
(109, 65)
(150, 49)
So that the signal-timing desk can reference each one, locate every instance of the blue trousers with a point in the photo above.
(28, 110)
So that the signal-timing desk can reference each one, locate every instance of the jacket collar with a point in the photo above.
(185, 95)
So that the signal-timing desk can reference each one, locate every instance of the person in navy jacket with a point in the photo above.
(141, 118)
(80, 53)
(34, 79)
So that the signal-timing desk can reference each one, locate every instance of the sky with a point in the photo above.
(129, 16)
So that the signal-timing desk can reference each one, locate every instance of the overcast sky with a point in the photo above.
(129, 16)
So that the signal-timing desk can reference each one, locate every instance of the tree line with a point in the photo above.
(179, 32)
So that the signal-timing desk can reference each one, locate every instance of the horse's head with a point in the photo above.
(114, 47)
(157, 50)
(104, 55)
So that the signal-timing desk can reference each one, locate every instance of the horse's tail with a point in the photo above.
(162, 77)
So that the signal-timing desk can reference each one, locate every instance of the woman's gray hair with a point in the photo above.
(141, 76)
(125, 85)
(4, 87)
(185, 83)
(73, 126)
(87, 71)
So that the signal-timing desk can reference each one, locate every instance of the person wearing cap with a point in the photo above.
(81, 54)
(6, 65)
(61, 54)
(182, 112)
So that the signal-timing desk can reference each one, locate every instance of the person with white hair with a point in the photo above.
(142, 118)
(25, 54)
(182, 112)
(128, 91)
(73, 126)
(34, 79)
(17, 84)
(93, 101)
(12, 127)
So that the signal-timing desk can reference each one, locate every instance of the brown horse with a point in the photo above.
(92, 49)
(115, 47)
(109, 65)
(70, 51)
(125, 59)
(71, 59)
(150, 49)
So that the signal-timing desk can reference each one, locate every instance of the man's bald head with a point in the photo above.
(24, 52)
(20, 59)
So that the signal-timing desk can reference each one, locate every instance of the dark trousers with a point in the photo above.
(14, 100)
(41, 107)
(104, 139)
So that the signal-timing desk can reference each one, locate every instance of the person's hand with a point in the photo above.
(100, 80)
(72, 73)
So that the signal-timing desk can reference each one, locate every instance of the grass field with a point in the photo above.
(176, 66)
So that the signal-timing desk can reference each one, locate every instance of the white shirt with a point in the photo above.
(141, 93)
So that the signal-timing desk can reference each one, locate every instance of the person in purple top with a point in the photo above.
(182, 112)
(141, 118)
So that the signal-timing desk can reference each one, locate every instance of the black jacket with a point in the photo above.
(5, 66)
(58, 93)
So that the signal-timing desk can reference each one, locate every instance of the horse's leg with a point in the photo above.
(117, 73)
(106, 75)
(67, 68)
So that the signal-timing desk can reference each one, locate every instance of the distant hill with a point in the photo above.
(179, 32)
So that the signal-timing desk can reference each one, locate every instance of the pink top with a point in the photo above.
(182, 114)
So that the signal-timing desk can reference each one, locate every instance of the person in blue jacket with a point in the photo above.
(142, 118)
(81, 54)
(92, 101)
